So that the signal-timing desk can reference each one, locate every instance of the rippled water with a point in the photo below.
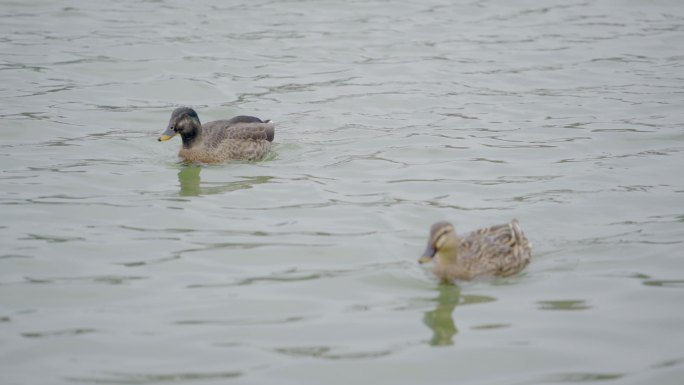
(121, 266)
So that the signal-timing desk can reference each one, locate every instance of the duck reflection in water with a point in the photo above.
(440, 319)
(189, 179)
(190, 182)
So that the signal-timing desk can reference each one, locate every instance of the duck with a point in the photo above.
(501, 250)
(239, 138)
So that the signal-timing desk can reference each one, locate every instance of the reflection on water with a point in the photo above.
(189, 179)
(130, 378)
(581, 377)
(70, 332)
(566, 115)
(190, 183)
(563, 305)
(439, 319)
(329, 353)
(665, 283)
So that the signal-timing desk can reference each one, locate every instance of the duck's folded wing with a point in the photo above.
(241, 130)
(253, 131)
(486, 241)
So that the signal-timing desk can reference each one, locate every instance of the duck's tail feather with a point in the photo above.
(517, 233)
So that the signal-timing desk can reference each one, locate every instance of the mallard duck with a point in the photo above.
(240, 138)
(500, 250)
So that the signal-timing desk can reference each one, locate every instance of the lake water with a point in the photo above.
(120, 265)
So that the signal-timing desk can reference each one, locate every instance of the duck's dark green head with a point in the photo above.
(184, 121)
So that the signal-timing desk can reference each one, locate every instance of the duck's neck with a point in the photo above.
(448, 253)
(191, 138)
(450, 267)
(449, 256)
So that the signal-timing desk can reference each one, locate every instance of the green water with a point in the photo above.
(120, 265)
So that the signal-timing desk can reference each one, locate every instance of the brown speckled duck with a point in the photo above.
(500, 250)
(240, 138)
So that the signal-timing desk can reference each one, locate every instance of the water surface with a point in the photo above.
(120, 265)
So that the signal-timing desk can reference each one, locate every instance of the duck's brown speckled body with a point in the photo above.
(240, 138)
(500, 250)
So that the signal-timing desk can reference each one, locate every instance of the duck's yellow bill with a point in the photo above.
(166, 135)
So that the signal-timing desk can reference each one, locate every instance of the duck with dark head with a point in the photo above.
(240, 138)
